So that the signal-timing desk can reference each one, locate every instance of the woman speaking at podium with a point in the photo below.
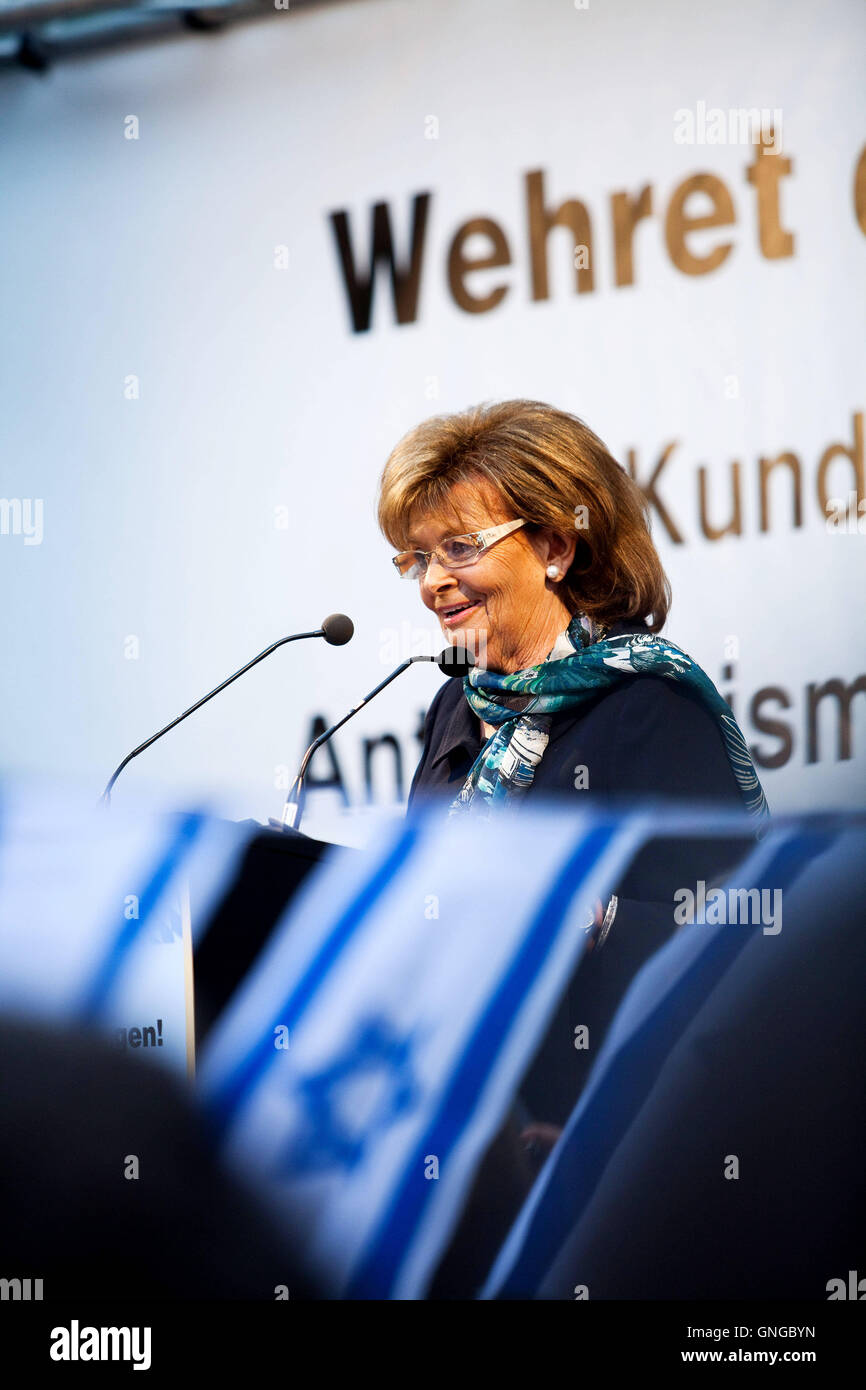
(532, 546)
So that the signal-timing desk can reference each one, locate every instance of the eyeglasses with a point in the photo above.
(454, 552)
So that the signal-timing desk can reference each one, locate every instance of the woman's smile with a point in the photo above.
(453, 614)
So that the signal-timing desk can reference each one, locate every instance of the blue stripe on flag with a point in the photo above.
(122, 941)
(229, 1094)
(599, 1125)
(375, 1276)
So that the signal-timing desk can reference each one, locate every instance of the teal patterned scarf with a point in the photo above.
(580, 664)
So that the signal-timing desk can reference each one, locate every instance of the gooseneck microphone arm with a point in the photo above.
(454, 661)
(336, 630)
(292, 810)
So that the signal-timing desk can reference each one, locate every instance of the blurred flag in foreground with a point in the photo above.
(371, 1056)
(728, 1039)
(94, 923)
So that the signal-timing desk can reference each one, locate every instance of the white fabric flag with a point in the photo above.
(92, 908)
(372, 1053)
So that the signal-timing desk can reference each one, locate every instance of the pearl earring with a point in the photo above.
(553, 571)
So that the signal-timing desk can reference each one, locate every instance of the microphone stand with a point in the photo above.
(295, 637)
(453, 661)
(293, 809)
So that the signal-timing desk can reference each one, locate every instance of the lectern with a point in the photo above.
(272, 870)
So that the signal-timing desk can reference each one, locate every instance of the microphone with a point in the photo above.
(336, 629)
(456, 660)
(453, 661)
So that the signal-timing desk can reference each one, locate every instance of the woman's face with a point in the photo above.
(510, 612)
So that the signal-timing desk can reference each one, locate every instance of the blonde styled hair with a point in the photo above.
(545, 465)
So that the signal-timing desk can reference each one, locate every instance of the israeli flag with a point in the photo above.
(662, 1002)
(372, 1054)
(95, 928)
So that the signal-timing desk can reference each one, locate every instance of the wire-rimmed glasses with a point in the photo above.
(454, 552)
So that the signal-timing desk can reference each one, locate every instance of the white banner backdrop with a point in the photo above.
(193, 424)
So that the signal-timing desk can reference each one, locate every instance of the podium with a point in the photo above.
(274, 866)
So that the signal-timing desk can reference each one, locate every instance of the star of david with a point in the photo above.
(347, 1103)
